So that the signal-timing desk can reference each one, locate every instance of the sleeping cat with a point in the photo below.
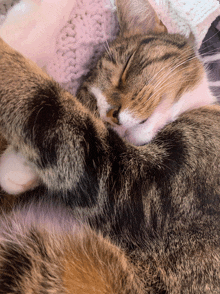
(146, 79)
(158, 203)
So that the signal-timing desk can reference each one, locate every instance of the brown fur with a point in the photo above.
(35, 257)
(93, 265)
(142, 89)
(156, 207)
(138, 87)
(144, 69)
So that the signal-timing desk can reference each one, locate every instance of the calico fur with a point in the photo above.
(146, 78)
(159, 203)
(138, 86)
(50, 252)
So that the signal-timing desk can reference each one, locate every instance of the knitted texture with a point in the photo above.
(186, 16)
(65, 39)
(91, 25)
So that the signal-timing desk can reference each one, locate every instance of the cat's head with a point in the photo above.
(143, 67)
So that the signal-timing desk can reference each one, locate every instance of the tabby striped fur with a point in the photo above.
(46, 251)
(158, 203)
(146, 78)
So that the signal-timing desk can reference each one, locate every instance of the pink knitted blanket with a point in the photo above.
(91, 25)
(71, 44)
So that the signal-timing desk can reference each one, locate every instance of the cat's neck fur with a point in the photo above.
(200, 96)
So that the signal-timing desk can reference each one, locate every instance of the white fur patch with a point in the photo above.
(103, 105)
(199, 97)
(127, 119)
(16, 176)
(144, 133)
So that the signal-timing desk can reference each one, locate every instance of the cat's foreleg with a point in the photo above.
(45, 123)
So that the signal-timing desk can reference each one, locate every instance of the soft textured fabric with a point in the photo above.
(187, 16)
(66, 52)
(93, 23)
(210, 52)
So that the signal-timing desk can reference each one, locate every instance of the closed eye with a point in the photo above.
(123, 75)
(143, 121)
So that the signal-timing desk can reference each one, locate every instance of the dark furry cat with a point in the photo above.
(145, 80)
(157, 204)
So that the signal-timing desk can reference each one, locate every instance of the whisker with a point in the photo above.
(170, 74)
(214, 50)
(211, 58)
(108, 50)
(155, 86)
(167, 66)
(174, 68)
(181, 62)
(154, 95)
(205, 41)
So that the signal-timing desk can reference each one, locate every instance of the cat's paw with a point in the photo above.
(16, 176)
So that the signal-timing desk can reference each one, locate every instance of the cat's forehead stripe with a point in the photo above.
(148, 40)
(144, 64)
(172, 42)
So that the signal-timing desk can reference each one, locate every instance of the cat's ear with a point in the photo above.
(138, 17)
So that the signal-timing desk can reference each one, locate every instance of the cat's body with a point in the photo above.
(156, 206)
(141, 83)
(159, 203)
(44, 250)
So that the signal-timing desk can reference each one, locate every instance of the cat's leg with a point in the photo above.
(46, 124)
(16, 174)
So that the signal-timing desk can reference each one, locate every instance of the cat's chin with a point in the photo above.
(137, 135)
(16, 176)
(138, 138)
